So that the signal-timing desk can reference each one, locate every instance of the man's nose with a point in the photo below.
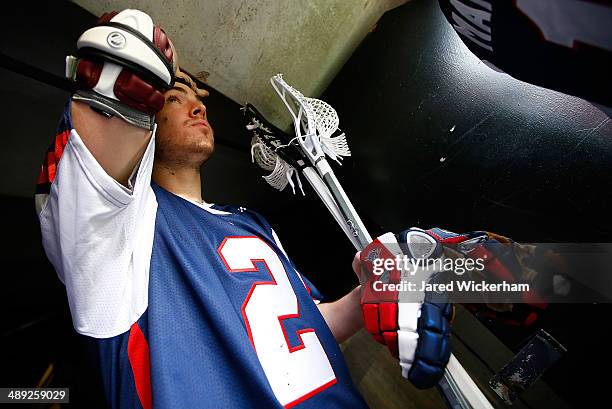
(198, 109)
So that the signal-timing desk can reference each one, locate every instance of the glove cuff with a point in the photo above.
(111, 107)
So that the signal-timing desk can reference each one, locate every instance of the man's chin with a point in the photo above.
(206, 150)
(211, 150)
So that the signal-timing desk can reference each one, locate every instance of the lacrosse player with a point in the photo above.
(190, 304)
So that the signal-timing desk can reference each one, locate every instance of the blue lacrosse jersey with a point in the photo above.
(189, 305)
(199, 341)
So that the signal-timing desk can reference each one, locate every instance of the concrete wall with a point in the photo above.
(242, 43)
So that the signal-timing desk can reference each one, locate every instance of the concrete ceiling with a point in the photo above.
(240, 44)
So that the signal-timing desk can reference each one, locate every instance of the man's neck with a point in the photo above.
(182, 181)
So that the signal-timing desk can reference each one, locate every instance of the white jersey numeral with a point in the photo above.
(294, 373)
(565, 21)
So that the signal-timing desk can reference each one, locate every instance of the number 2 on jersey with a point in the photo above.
(294, 373)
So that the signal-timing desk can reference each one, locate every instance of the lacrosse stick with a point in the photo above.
(281, 155)
(317, 136)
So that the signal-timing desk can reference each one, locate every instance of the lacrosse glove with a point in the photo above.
(416, 332)
(122, 67)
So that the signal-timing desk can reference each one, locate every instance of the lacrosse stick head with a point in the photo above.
(274, 151)
(315, 123)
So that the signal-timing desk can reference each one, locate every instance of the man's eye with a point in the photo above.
(172, 98)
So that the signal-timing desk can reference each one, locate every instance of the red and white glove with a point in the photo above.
(415, 329)
(124, 64)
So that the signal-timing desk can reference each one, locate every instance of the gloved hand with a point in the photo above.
(417, 331)
(509, 261)
(123, 66)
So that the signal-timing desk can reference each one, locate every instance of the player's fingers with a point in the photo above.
(357, 264)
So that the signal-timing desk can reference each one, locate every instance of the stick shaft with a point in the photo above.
(461, 389)
(329, 201)
(348, 211)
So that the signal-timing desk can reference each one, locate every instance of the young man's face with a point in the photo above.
(184, 136)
